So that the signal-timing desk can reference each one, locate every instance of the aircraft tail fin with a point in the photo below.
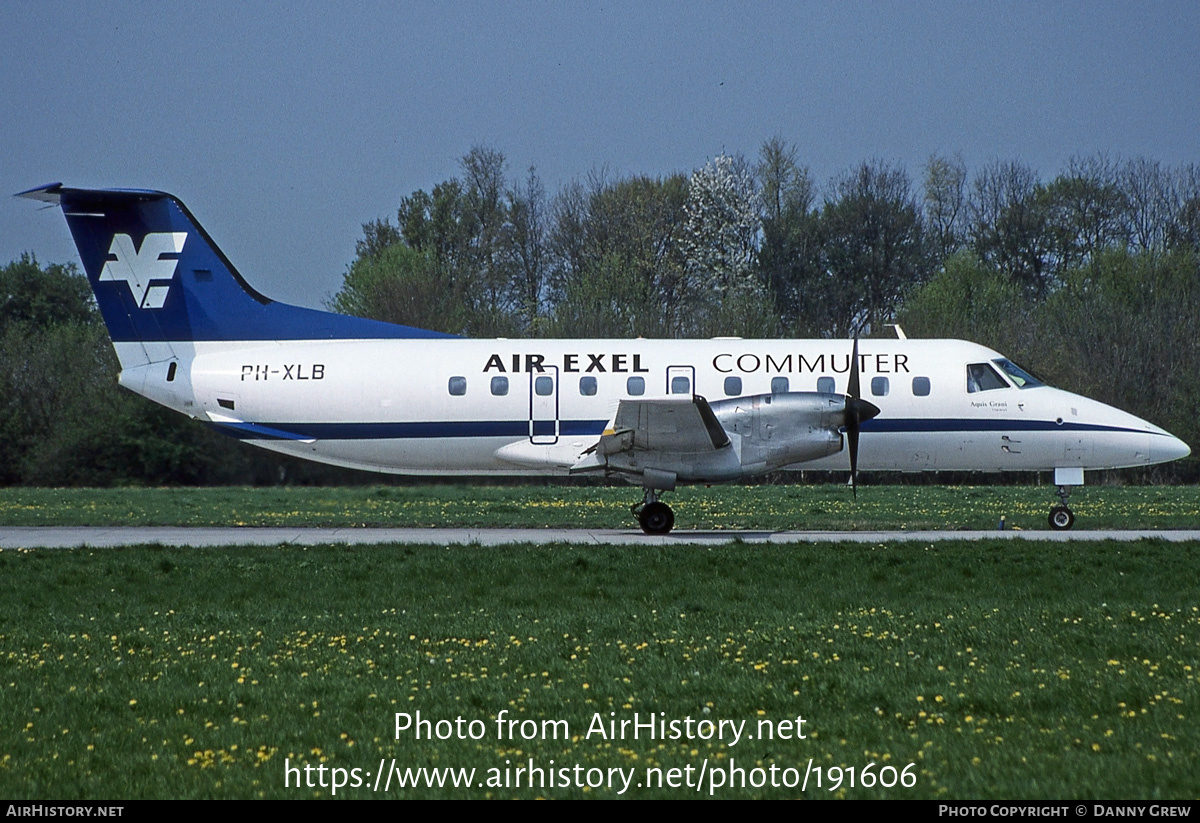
(160, 279)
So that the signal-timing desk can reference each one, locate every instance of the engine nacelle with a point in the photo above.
(770, 431)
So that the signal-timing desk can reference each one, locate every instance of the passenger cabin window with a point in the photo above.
(499, 386)
(879, 386)
(779, 385)
(635, 386)
(982, 377)
(733, 386)
(680, 385)
(921, 386)
(587, 386)
(458, 386)
(543, 386)
(825, 384)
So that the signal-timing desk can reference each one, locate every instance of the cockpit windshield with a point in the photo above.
(1019, 377)
(982, 377)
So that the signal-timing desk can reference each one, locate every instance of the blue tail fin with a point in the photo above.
(159, 277)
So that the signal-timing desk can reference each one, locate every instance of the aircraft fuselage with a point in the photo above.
(454, 406)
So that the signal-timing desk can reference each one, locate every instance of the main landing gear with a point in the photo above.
(654, 516)
(1061, 517)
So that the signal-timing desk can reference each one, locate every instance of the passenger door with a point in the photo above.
(681, 380)
(543, 406)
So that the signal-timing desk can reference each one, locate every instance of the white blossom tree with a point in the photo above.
(722, 226)
(722, 230)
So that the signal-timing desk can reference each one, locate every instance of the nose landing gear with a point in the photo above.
(1061, 517)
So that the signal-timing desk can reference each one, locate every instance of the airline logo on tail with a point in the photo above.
(144, 269)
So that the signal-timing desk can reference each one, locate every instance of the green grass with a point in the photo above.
(719, 507)
(1000, 670)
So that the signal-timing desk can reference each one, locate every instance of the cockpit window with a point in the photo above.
(982, 377)
(1019, 377)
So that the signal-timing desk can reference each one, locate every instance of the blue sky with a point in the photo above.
(284, 127)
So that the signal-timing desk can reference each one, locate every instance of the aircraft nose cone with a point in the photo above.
(1163, 449)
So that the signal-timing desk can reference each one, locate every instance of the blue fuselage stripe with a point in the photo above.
(943, 424)
(575, 428)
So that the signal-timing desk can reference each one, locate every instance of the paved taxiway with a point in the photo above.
(66, 537)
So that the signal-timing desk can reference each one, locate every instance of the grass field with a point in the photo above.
(997, 670)
(719, 507)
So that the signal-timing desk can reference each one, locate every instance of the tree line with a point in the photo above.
(747, 248)
(1088, 279)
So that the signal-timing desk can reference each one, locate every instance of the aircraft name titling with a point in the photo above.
(749, 363)
(586, 363)
(725, 363)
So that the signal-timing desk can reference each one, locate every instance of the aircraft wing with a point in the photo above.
(662, 439)
(684, 424)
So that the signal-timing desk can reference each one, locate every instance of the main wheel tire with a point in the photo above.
(1061, 518)
(656, 518)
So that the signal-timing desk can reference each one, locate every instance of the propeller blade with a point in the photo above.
(852, 437)
(852, 390)
(857, 410)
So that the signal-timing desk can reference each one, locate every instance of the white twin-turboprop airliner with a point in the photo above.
(193, 335)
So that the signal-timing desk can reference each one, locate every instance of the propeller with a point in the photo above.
(857, 410)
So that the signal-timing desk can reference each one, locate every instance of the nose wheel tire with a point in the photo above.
(656, 518)
(1061, 518)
